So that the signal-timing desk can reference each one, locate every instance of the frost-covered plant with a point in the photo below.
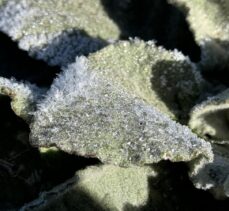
(215, 176)
(24, 96)
(210, 120)
(208, 19)
(122, 102)
(56, 31)
(101, 109)
(209, 22)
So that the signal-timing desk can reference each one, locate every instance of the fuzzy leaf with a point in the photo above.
(24, 96)
(103, 107)
(56, 31)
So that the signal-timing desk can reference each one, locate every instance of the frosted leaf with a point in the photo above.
(24, 96)
(96, 110)
(210, 118)
(62, 48)
(45, 28)
(215, 176)
(166, 79)
(110, 187)
(209, 21)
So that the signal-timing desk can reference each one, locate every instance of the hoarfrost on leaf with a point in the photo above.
(145, 70)
(121, 102)
(97, 110)
(46, 28)
(209, 21)
(24, 96)
(215, 175)
(209, 119)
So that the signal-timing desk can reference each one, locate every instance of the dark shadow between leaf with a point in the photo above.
(154, 20)
(16, 63)
(172, 190)
(73, 200)
(169, 84)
